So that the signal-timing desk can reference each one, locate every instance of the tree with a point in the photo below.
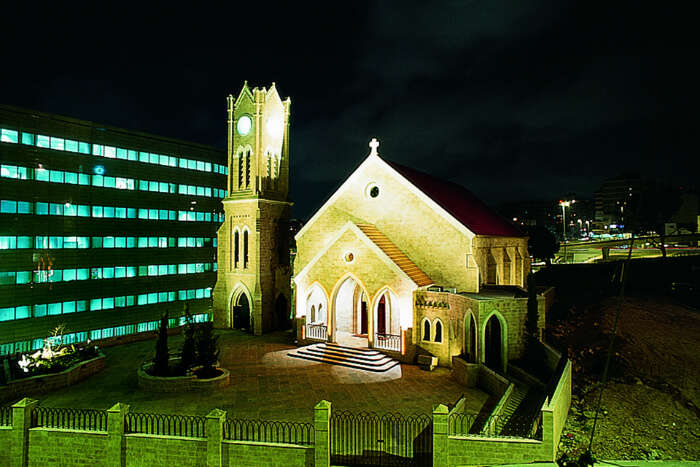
(207, 345)
(188, 357)
(542, 244)
(160, 362)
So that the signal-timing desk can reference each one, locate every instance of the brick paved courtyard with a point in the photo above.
(267, 384)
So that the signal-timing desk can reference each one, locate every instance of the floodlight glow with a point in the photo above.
(244, 125)
(99, 170)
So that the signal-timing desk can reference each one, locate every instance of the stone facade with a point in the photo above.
(253, 283)
(481, 275)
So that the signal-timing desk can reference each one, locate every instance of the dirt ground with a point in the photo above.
(649, 409)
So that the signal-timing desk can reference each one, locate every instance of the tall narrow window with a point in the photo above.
(426, 330)
(438, 331)
(491, 270)
(245, 249)
(236, 250)
(241, 170)
(247, 169)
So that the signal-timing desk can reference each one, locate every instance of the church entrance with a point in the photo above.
(350, 313)
(387, 334)
(241, 313)
(282, 313)
(493, 342)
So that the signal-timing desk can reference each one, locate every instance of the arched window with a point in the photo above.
(426, 329)
(491, 270)
(438, 331)
(506, 268)
(236, 249)
(245, 249)
(313, 313)
(247, 169)
(241, 170)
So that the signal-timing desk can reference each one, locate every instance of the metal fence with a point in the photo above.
(367, 438)
(388, 342)
(189, 426)
(268, 431)
(6, 416)
(73, 419)
(471, 424)
(317, 332)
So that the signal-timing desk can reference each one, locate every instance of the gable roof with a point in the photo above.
(459, 202)
(400, 263)
(399, 258)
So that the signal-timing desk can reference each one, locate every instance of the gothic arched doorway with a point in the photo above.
(493, 343)
(241, 313)
(282, 313)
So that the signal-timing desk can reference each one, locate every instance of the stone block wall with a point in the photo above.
(237, 453)
(157, 450)
(52, 447)
(5, 443)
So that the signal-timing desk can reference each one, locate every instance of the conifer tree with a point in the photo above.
(160, 362)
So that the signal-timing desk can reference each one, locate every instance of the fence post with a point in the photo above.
(440, 433)
(21, 422)
(116, 427)
(215, 436)
(322, 450)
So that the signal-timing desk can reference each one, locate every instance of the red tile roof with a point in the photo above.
(460, 203)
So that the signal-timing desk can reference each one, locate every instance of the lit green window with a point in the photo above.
(69, 307)
(182, 242)
(200, 217)
(130, 242)
(152, 298)
(163, 160)
(120, 213)
(153, 214)
(182, 269)
(172, 161)
(143, 242)
(109, 182)
(28, 139)
(200, 165)
(108, 273)
(207, 166)
(131, 213)
(97, 149)
(163, 187)
(190, 216)
(199, 293)
(43, 141)
(110, 151)
(56, 176)
(107, 303)
(190, 294)
(8, 243)
(97, 211)
(207, 191)
(153, 158)
(71, 177)
(120, 242)
(8, 207)
(200, 242)
(172, 268)
(162, 242)
(83, 242)
(71, 145)
(131, 271)
(133, 155)
(163, 214)
(7, 314)
(22, 312)
(83, 148)
(9, 136)
(83, 211)
(83, 179)
(162, 269)
(182, 294)
(108, 242)
(24, 242)
(153, 270)
(120, 271)
(70, 242)
(98, 180)
(69, 275)
(24, 277)
(119, 302)
(95, 304)
(143, 157)
(39, 311)
(70, 210)
(83, 274)
(57, 143)
(152, 186)
(200, 191)
(41, 175)
(109, 211)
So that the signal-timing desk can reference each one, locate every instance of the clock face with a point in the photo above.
(244, 125)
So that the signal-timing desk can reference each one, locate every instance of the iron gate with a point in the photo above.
(367, 438)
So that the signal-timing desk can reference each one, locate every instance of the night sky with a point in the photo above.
(512, 99)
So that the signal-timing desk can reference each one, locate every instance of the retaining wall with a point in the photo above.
(237, 453)
(155, 450)
(54, 447)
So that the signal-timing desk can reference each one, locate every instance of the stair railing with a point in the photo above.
(317, 332)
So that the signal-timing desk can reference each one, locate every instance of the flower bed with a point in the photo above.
(49, 381)
(189, 382)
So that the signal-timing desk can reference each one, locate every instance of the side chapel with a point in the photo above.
(400, 261)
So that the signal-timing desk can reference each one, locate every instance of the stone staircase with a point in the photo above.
(361, 359)
(522, 409)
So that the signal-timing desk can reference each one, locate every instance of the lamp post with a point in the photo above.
(564, 205)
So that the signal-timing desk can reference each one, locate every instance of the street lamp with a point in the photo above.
(564, 205)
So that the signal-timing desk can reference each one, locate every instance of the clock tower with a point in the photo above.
(252, 290)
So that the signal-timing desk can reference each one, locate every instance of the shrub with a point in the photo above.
(188, 356)
(160, 362)
(207, 348)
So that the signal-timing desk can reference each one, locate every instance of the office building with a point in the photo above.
(102, 229)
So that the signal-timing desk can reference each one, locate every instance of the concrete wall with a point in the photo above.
(54, 447)
(5, 442)
(560, 403)
(237, 453)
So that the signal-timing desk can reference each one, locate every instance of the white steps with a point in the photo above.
(361, 359)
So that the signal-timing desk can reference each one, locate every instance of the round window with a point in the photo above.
(374, 191)
(349, 257)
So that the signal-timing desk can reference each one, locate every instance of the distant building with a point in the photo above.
(102, 229)
(612, 201)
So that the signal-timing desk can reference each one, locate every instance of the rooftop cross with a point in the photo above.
(374, 144)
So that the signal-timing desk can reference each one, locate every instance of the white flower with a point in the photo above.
(24, 363)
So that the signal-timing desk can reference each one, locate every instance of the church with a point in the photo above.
(395, 260)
